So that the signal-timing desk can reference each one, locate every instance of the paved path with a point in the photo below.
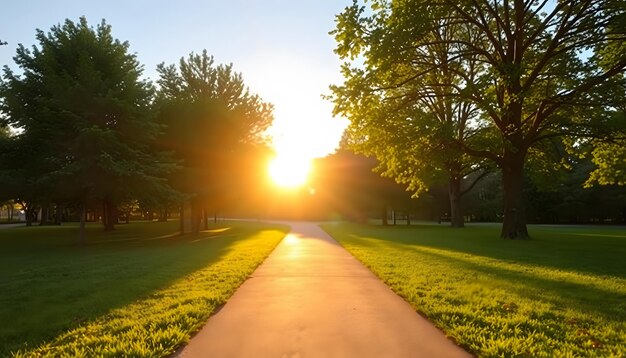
(311, 298)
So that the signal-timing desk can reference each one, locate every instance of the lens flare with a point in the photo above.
(289, 172)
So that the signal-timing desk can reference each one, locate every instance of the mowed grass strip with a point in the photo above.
(140, 291)
(561, 294)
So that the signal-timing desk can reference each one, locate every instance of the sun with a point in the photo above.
(289, 171)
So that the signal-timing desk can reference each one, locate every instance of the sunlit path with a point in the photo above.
(311, 298)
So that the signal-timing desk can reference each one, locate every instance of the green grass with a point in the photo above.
(139, 291)
(561, 294)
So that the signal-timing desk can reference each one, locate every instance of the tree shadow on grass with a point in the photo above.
(583, 249)
(558, 291)
(49, 289)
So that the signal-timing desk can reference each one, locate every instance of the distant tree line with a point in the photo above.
(95, 138)
(345, 186)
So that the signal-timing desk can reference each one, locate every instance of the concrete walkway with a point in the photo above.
(311, 298)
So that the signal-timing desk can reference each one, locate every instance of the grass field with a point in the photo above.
(561, 294)
(140, 290)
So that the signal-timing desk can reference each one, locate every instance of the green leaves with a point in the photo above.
(406, 96)
(203, 88)
(351, 27)
(500, 78)
(214, 124)
(610, 161)
(82, 103)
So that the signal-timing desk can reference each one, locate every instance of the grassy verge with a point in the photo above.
(561, 294)
(140, 291)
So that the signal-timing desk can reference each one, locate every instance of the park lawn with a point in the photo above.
(140, 291)
(560, 294)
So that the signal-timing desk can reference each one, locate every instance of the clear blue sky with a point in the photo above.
(282, 48)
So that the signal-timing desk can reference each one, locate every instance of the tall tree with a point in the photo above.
(85, 110)
(402, 111)
(212, 121)
(543, 65)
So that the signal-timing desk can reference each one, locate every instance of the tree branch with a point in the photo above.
(476, 180)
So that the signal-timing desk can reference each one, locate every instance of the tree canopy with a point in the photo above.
(411, 127)
(86, 118)
(213, 122)
(533, 70)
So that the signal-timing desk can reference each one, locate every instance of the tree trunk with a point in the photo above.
(104, 213)
(393, 216)
(109, 217)
(81, 228)
(514, 222)
(384, 216)
(113, 216)
(29, 215)
(45, 210)
(58, 214)
(456, 211)
(182, 218)
(408, 218)
(196, 216)
(163, 215)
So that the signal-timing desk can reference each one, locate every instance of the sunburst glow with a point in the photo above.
(303, 127)
(288, 171)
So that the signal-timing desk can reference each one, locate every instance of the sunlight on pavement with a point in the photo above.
(292, 239)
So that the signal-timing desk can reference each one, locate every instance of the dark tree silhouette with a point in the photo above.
(212, 122)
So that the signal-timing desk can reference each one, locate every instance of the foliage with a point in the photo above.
(559, 200)
(519, 64)
(218, 93)
(86, 117)
(140, 291)
(558, 295)
(214, 124)
(24, 184)
(398, 109)
(5, 132)
(610, 159)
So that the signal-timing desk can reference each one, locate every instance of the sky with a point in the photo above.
(282, 48)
